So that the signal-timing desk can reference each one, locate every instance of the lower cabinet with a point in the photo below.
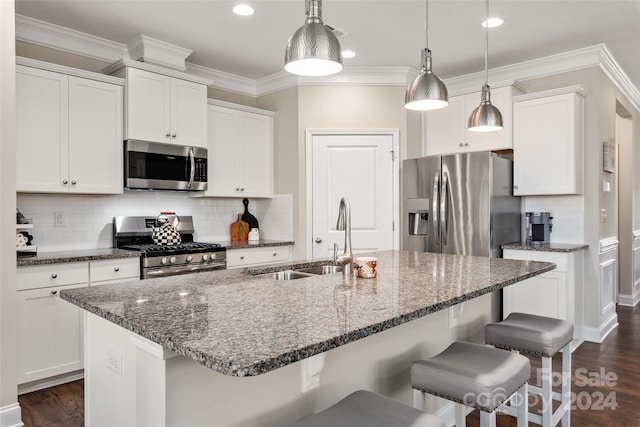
(557, 293)
(50, 341)
(248, 257)
(49, 330)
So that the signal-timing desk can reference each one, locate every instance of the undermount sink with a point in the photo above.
(322, 269)
(289, 275)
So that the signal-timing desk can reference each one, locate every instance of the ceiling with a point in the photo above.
(382, 33)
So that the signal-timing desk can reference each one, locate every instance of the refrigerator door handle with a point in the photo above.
(434, 207)
(444, 217)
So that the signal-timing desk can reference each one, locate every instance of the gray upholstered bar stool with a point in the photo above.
(474, 375)
(545, 337)
(366, 409)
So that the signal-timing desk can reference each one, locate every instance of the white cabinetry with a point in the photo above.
(447, 128)
(557, 293)
(240, 143)
(50, 330)
(256, 256)
(102, 272)
(69, 133)
(547, 142)
(165, 109)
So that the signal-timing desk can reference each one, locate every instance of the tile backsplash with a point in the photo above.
(88, 219)
(567, 213)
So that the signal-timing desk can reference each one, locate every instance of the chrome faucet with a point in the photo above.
(344, 223)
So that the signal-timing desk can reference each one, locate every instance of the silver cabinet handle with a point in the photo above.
(318, 240)
(53, 292)
(73, 182)
(242, 189)
(65, 182)
(237, 188)
(466, 144)
(461, 144)
(54, 275)
(116, 269)
(168, 134)
(515, 187)
(173, 135)
(275, 253)
(242, 257)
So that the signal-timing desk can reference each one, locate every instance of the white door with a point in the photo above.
(361, 168)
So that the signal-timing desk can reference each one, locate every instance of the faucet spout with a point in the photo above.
(344, 223)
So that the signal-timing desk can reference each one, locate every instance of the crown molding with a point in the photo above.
(579, 89)
(122, 63)
(152, 51)
(48, 66)
(61, 38)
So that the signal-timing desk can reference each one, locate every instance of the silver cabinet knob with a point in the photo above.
(53, 292)
(54, 275)
(116, 269)
(461, 144)
(168, 134)
(65, 182)
(275, 254)
(173, 135)
(515, 187)
(466, 144)
(237, 188)
(242, 189)
(242, 257)
(318, 240)
(73, 182)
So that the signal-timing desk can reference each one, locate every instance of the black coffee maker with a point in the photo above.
(538, 226)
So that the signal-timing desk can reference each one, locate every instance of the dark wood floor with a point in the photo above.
(612, 402)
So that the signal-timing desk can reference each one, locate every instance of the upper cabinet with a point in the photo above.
(240, 144)
(446, 128)
(161, 108)
(548, 142)
(69, 131)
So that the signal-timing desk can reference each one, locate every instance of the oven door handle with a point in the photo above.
(192, 167)
(170, 271)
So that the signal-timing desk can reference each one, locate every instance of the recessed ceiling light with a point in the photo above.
(348, 54)
(493, 22)
(243, 10)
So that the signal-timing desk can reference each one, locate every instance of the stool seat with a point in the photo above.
(472, 374)
(532, 334)
(366, 409)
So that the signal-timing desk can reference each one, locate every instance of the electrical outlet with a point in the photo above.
(114, 361)
(59, 219)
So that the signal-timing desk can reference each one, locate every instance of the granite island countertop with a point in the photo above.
(56, 257)
(243, 324)
(551, 247)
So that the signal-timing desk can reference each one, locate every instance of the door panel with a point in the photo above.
(360, 168)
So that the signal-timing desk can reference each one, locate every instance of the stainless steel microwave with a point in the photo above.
(159, 166)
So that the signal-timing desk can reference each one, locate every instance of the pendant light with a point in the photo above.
(486, 117)
(427, 91)
(313, 50)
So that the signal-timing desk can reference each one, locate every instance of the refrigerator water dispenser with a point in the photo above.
(418, 211)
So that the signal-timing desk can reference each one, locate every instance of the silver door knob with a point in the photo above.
(318, 240)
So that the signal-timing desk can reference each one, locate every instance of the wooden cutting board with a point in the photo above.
(239, 230)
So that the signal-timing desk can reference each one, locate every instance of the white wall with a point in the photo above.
(89, 219)
(9, 409)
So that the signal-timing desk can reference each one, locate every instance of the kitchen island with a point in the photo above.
(237, 348)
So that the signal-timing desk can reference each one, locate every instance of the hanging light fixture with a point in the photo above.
(313, 50)
(486, 117)
(427, 91)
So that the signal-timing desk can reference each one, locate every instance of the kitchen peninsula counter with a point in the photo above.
(237, 324)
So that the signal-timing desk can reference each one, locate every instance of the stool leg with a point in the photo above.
(566, 385)
(461, 415)
(418, 399)
(487, 419)
(522, 399)
(547, 391)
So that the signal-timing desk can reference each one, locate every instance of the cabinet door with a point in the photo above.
(255, 156)
(148, 107)
(445, 132)
(42, 130)
(221, 138)
(258, 256)
(495, 140)
(188, 113)
(50, 334)
(544, 295)
(95, 136)
(547, 142)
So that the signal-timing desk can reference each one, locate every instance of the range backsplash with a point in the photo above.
(567, 213)
(88, 218)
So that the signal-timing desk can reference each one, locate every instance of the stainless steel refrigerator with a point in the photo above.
(459, 204)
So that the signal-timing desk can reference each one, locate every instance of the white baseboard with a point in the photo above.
(629, 300)
(598, 335)
(11, 416)
(50, 382)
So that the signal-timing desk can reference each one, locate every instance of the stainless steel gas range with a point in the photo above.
(135, 233)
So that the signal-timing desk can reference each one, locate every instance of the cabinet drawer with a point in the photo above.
(560, 259)
(114, 269)
(255, 256)
(50, 275)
